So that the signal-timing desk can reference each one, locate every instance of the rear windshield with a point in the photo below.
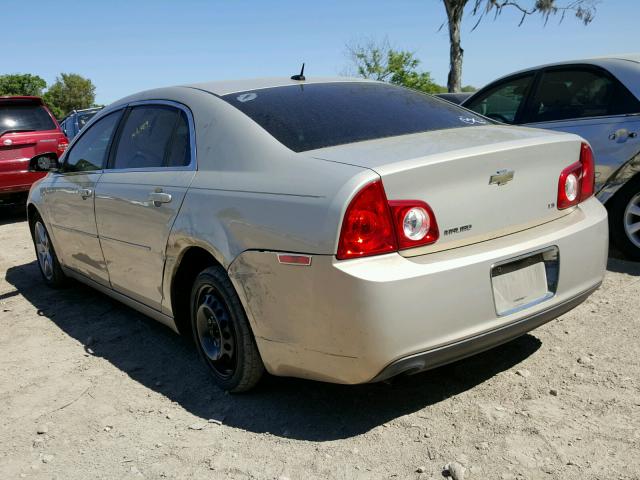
(24, 118)
(306, 117)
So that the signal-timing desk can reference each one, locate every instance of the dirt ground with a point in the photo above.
(91, 389)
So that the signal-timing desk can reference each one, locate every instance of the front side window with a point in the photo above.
(580, 93)
(90, 151)
(504, 101)
(16, 117)
(306, 117)
(153, 136)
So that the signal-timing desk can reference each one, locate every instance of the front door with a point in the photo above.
(69, 200)
(139, 195)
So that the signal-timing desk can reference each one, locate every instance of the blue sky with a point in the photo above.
(127, 46)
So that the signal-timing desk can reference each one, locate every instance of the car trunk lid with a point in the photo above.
(482, 182)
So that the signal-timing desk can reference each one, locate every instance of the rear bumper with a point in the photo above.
(358, 320)
(470, 346)
(18, 181)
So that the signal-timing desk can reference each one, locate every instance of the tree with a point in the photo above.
(70, 92)
(379, 61)
(584, 10)
(22, 84)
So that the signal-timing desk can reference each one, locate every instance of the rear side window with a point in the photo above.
(90, 151)
(24, 118)
(306, 117)
(153, 136)
(580, 93)
(179, 154)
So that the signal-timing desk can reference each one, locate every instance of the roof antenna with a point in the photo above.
(301, 76)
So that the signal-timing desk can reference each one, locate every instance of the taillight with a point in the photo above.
(62, 146)
(372, 225)
(576, 181)
(588, 172)
(367, 228)
(415, 223)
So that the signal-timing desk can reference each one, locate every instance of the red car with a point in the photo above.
(27, 130)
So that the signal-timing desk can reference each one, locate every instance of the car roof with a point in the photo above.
(22, 98)
(226, 87)
(625, 67)
(598, 61)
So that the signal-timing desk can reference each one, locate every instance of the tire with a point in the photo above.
(222, 333)
(48, 264)
(624, 218)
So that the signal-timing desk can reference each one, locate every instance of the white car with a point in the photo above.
(337, 230)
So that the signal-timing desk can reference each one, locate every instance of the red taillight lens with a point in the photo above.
(415, 223)
(367, 228)
(372, 225)
(569, 186)
(588, 172)
(62, 146)
(576, 181)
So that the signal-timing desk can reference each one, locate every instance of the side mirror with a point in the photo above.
(47, 162)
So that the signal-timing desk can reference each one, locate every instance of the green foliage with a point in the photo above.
(378, 61)
(468, 88)
(22, 84)
(69, 92)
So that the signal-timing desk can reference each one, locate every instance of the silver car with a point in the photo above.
(337, 230)
(598, 99)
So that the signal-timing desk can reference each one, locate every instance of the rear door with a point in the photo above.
(69, 200)
(589, 102)
(139, 195)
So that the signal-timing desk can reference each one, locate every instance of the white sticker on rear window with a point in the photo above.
(472, 120)
(246, 97)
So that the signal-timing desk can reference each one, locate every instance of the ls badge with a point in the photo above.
(501, 177)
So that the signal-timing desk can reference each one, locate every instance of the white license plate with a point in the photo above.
(515, 289)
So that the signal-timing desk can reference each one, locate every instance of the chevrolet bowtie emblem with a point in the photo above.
(501, 177)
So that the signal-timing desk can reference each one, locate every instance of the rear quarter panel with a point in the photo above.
(252, 193)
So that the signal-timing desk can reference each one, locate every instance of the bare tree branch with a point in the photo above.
(583, 10)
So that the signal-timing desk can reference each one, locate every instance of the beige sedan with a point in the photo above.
(338, 230)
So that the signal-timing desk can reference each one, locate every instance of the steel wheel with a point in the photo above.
(632, 220)
(43, 249)
(216, 333)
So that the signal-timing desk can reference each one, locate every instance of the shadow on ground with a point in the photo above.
(162, 361)
(12, 214)
(619, 264)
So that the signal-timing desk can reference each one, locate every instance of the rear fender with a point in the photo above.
(619, 178)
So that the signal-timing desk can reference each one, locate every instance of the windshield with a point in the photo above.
(24, 118)
(306, 117)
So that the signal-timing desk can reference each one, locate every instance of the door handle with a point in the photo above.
(158, 198)
(621, 135)
(85, 193)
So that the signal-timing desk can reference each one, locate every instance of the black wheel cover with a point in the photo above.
(216, 333)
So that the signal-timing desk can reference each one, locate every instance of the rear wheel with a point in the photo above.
(222, 333)
(624, 219)
(47, 259)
